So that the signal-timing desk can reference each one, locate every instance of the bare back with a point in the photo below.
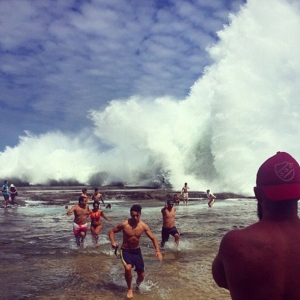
(261, 261)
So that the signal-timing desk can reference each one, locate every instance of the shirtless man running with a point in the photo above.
(131, 255)
(81, 213)
(168, 215)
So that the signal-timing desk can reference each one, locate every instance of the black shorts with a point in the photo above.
(165, 233)
(133, 257)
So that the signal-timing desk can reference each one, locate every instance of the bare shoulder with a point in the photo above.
(144, 225)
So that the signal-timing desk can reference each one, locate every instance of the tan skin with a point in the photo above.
(262, 261)
(96, 224)
(97, 196)
(184, 191)
(132, 230)
(211, 198)
(168, 215)
(81, 214)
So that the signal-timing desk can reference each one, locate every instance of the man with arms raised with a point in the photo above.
(131, 254)
(168, 215)
(261, 261)
(81, 213)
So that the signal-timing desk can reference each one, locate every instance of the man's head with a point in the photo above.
(84, 190)
(135, 212)
(82, 201)
(96, 190)
(278, 178)
(170, 203)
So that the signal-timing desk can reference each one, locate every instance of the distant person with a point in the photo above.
(108, 206)
(81, 213)
(176, 199)
(184, 192)
(5, 193)
(131, 254)
(97, 196)
(261, 261)
(96, 222)
(211, 198)
(168, 215)
(13, 194)
(84, 194)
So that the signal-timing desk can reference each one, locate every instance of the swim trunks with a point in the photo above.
(133, 257)
(165, 233)
(77, 228)
(185, 195)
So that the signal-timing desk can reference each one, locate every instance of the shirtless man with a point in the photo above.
(261, 261)
(97, 196)
(81, 213)
(184, 191)
(84, 194)
(211, 198)
(168, 215)
(131, 255)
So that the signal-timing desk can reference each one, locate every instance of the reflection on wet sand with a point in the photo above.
(39, 258)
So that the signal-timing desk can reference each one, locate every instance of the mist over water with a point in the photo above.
(242, 110)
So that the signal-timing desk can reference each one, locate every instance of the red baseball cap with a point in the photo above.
(279, 177)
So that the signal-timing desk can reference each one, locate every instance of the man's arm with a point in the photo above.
(112, 232)
(218, 272)
(154, 241)
(71, 210)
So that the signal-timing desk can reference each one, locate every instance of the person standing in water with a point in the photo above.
(96, 222)
(211, 198)
(261, 261)
(97, 196)
(81, 213)
(13, 194)
(131, 254)
(184, 192)
(168, 215)
(5, 193)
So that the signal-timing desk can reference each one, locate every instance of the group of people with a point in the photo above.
(132, 229)
(258, 262)
(7, 192)
(82, 212)
(185, 196)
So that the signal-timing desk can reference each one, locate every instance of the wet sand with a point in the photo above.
(39, 258)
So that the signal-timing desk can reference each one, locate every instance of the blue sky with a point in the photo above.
(61, 59)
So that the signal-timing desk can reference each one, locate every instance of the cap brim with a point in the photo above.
(282, 191)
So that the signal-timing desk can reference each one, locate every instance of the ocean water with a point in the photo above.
(40, 260)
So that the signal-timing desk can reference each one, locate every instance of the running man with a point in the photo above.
(184, 191)
(211, 198)
(81, 213)
(5, 193)
(168, 215)
(97, 196)
(131, 255)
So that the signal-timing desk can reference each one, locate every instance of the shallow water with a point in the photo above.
(39, 258)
